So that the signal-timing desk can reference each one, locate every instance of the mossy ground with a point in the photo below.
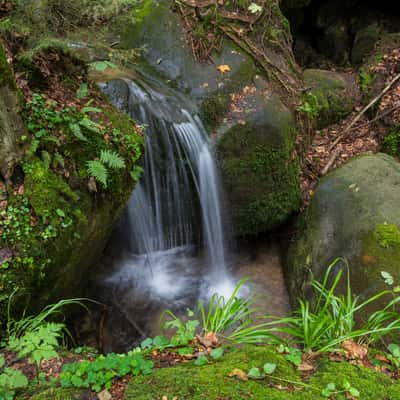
(213, 382)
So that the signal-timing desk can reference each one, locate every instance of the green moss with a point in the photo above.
(215, 106)
(332, 101)
(60, 394)
(387, 235)
(212, 382)
(47, 191)
(391, 142)
(260, 174)
(6, 75)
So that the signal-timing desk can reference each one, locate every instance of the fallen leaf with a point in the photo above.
(305, 367)
(354, 351)
(223, 68)
(238, 373)
(104, 395)
(209, 340)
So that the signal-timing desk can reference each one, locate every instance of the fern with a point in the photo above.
(112, 159)
(98, 171)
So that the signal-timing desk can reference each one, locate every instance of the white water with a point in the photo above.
(176, 203)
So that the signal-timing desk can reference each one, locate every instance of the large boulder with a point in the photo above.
(355, 215)
(236, 103)
(57, 209)
(331, 94)
(259, 166)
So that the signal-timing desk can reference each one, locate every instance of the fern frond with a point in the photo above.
(98, 171)
(112, 159)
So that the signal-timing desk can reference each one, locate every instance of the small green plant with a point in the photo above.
(98, 168)
(310, 106)
(331, 319)
(38, 344)
(10, 381)
(233, 318)
(331, 390)
(394, 354)
(99, 374)
(365, 79)
(185, 331)
(387, 235)
(391, 142)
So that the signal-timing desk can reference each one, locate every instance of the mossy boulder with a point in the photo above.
(364, 42)
(259, 166)
(332, 95)
(217, 380)
(56, 214)
(354, 214)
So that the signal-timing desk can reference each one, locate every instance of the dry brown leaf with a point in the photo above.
(238, 373)
(209, 340)
(354, 350)
(305, 367)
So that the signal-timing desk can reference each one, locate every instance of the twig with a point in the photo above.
(354, 121)
(364, 110)
(377, 118)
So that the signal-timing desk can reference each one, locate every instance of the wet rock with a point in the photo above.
(364, 42)
(336, 94)
(354, 214)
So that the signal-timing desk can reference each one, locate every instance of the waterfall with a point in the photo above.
(177, 200)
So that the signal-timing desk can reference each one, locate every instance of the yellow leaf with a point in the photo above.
(223, 68)
(238, 373)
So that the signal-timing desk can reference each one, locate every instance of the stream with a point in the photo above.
(173, 245)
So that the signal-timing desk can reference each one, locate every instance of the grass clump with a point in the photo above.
(323, 324)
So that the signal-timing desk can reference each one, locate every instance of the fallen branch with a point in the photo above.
(364, 110)
(354, 121)
(377, 118)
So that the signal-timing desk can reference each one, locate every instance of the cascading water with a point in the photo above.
(174, 210)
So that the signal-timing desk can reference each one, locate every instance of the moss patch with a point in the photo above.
(260, 173)
(213, 382)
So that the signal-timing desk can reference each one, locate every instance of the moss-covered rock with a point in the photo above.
(214, 382)
(354, 214)
(56, 214)
(364, 42)
(260, 168)
(333, 95)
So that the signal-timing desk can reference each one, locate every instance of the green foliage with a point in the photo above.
(97, 170)
(391, 142)
(38, 344)
(332, 390)
(387, 235)
(310, 105)
(365, 79)
(394, 354)
(112, 159)
(233, 318)
(10, 381)
(99, 374)
(331, 319)
(31, 323)
(184, 330)
(101, 66)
